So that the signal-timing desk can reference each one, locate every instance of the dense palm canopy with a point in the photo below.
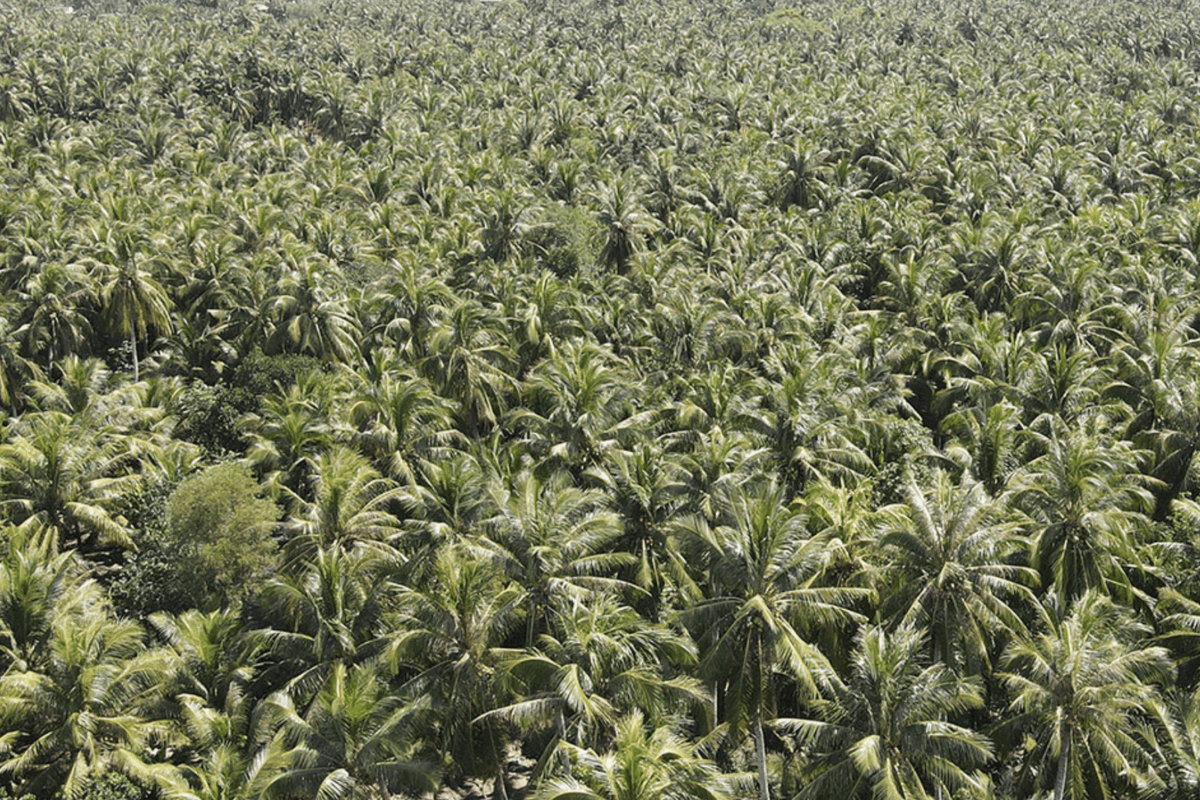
(590, 399)
(67, 479)
(353, 742)
(84, 698)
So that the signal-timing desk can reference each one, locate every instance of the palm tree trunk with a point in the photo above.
(760, 755)
(937, 659)
(561, 725)
(530, 626)
(718, 684)
(501, 791)
(760, 745)
(655, 579)
(133, 347)
(1064, 760)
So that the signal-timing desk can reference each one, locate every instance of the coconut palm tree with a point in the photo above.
(52, 320)
(642, 488)
(763, 598)
(87, 706)
(444, 506)
(37, 586)
(953, 562)
(550, 538)
(229, 772)
(798, 425)
(1171, 737)
(328, 612)
(1084, 506)
(446, 644)
(212, 676)
(660, 764)
(67, 479)
(801, 181)
(1077, 687)
(396, 419)
(469, 361)
(15, 368)
(355, 741)
(405, 308)
(1155, 360)
(210, 683)
(135, 304)
(624, 221)
(289, 433)
(600, 660)
(574, 402)
(885, 734)
(350, 506)
(310, 316)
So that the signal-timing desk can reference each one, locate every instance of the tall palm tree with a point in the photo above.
(1085, 505)
(210, 684)
(211, 676)
(574, 401)
(52, 322)
(329, 612)
(311, 316)
(624, 222)
(446, 643)
(469, 361)
(15, 369)
(600, 660)
(38, 585)
(801, 180)
(955, 571)
(350, 506)
(1171, 737)
(763, 599)
(885, 734)
(406, 307)
(716, 463)
(229, 772)
(288, 435)
(135, 304)
(1078, 686)
(798, 425)
(661, 764)
(355, 741)
(551, 538)
(1155, 364)
(67, 479)
(396, 418)
(444, 506)
(988, 429)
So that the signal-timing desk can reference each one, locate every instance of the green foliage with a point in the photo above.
(206, 543)
(210, 415)
(219, 531)
(564, 241)
(115, 786)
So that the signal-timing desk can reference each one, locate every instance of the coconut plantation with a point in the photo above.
(599, 400)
